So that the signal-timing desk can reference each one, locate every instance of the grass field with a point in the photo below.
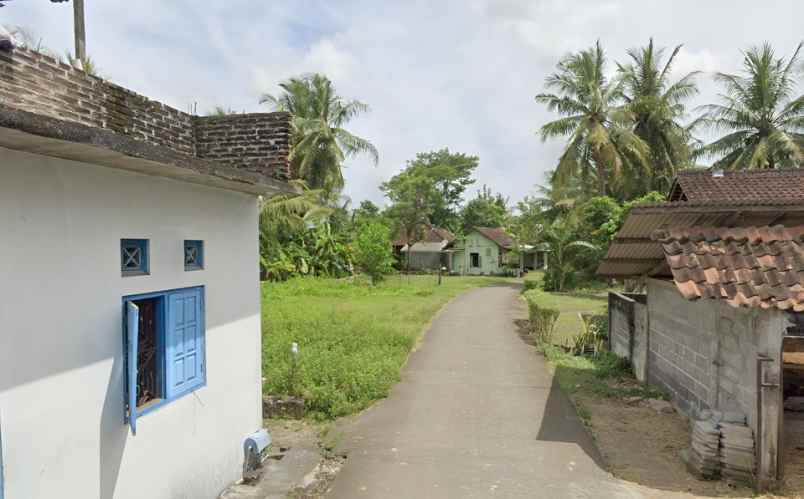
(353, 338)
(570, 304)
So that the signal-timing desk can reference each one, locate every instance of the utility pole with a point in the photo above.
(79, 28)
(80, 31)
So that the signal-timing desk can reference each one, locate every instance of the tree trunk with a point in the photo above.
(601, 173)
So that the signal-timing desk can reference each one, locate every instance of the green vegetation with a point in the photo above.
(580, 324)
(353, 337)
(569, 305)
(603, 375)
(373, 251)
(602, 147)
(763, 116)
(320, 143)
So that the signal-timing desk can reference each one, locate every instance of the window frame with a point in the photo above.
(198, 244)
(472, 257)
(144, 246)
(162, 346)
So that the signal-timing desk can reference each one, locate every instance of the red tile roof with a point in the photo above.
(743, 186)
(432, 234)
(752, 266)
(498, 235)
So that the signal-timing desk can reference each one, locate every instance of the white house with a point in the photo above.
(129, 297)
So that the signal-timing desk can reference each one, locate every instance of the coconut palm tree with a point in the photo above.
(320, 144)
(601, 143)
(657, 105)
(761, 113)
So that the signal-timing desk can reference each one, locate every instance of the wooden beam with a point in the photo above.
(631, 240)
(648, 261)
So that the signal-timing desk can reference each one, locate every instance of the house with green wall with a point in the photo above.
(491, 251)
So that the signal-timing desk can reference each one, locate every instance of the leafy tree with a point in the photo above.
(602, 145)
(320, 143)
(373, 252)
(486, 210)
(594, 215)
(529, 220)
(450, 175)
(561, 237)
(759, 109)
(366, 213)
(657, 105)
(413, 198)
(615, 223)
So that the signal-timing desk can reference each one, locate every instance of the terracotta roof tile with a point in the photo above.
(748, 267)
(498, 235)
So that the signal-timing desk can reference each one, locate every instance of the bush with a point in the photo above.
(373, 251)
(542, 319)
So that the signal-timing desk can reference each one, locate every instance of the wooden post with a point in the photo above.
(80, 31)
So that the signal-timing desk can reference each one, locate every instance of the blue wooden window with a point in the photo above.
(165, 349)
(134, 257)
(193, 255)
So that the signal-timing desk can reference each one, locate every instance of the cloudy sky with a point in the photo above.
(440, 73)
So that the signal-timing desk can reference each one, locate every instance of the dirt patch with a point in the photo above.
(794, 454)
(642, 446)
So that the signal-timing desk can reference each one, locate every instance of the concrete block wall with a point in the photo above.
(704, 352)
(41, 84)
(619, 324)
(681, 341)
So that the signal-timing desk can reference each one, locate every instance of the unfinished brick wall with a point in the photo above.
(256, 142)
(43, 85)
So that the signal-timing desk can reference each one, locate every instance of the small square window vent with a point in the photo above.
(193, 255)
(134, 257)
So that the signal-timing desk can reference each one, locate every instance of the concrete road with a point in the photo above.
(477, 414)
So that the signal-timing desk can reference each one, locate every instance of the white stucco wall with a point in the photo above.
(61, 348)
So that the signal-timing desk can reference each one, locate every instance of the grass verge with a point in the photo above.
(353, 338)
(603, 375)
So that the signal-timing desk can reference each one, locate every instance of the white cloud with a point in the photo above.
(457, 74)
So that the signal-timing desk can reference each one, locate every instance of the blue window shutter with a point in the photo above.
(184, 336)
(132, 339)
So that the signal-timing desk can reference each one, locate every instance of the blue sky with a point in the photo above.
(457, 74)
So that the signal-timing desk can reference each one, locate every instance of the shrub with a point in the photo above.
(593, 336)
(542, 319)
(373, 251)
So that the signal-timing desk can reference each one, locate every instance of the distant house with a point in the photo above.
(492, 251)
(720, 327)
(426, 253)
(129, 299)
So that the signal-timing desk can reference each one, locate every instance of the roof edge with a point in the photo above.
(39, 134)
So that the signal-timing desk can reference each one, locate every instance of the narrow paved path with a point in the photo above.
(477, 414)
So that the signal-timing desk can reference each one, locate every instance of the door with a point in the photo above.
(132, 338)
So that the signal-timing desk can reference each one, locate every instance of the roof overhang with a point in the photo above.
(48, 136)
(633, 252)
